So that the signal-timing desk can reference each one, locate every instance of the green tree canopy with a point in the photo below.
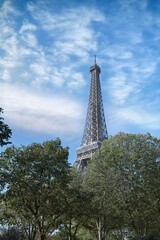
(5, 131)
(35, 179)
(77, 212)
(124, 176)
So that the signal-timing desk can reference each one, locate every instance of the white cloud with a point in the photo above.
(47, 114)
(27, 26)
(27, 59)
(140, 116)
(68, 18)
(45, 48)
(77, 81)
(30, 40)
(39, 68)
(73, 36)
(8, 9)
(118, 52)
(131, 69)
(135, 37)
(121, 88)
(6, 75)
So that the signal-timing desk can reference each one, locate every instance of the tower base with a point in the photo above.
(84, 154)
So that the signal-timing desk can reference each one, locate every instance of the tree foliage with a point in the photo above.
(116, 197)
(11, 234)
(5, 131)
(78, 202)
(124, 177)
(35, 179)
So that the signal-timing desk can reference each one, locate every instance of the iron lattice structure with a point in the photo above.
(95, 130)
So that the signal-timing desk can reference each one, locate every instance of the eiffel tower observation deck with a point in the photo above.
(95, 131)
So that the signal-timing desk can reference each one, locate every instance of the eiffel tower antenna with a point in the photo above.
(95, 131)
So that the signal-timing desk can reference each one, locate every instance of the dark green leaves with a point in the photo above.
(5, 131)
(35, 179)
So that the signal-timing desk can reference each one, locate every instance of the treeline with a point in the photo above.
(116, 197)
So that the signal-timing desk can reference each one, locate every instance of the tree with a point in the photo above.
(11, 234)
(104, 183)
(35, 180)
(78, 201)
(124, 178)
(5, 131)
(136, 157)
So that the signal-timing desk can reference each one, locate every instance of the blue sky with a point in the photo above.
(46, 50)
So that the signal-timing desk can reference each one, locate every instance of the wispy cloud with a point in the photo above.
(73, 36)
(43, 62)
(130, 57)
(38, 112)
(8, 9)
(140, 116)
(27, 63)
(45, 48)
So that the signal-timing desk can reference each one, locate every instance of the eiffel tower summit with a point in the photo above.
(95, 131)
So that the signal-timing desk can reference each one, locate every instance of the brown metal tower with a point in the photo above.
(95, 130)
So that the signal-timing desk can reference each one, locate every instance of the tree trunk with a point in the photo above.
(43, 237)
(99, 229)
(105, 228)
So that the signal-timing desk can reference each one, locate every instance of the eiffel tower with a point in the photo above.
(95, 131)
